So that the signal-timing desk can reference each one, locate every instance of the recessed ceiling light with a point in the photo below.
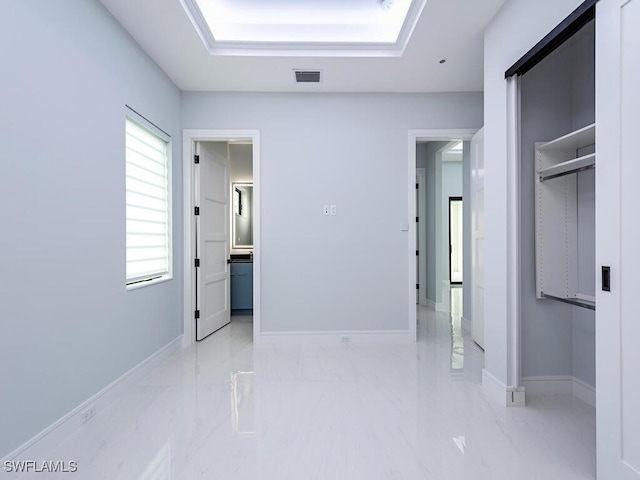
(386, 4)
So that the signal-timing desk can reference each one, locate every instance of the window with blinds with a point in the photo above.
(147, 198)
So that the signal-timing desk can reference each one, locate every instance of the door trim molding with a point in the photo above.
(433, 135)
(189, 139)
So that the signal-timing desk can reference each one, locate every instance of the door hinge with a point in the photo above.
(417, 252)
(417, 186)
(196, 210)
(417, 219)
(197, 314)
(196, 159)
(197, 262)
(417, 286)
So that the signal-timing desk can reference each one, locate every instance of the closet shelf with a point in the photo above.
(568, 167)
(572, 141)
(576, 301)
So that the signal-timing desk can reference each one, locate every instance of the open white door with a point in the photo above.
(477, 237)
(212, 238)
(421, 258)
(617, 238)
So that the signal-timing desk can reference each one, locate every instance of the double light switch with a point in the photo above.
(330, 210)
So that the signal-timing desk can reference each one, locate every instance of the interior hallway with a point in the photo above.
(224, 409)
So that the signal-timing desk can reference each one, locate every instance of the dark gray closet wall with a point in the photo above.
(557, 97)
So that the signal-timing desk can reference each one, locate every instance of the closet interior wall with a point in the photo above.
(558, 97)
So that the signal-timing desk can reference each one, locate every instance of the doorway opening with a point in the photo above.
(456, 228)
(442, 172)
(220, 235)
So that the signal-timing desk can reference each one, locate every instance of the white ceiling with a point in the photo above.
(451, 29)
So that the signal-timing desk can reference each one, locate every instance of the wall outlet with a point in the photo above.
(325, 210)
(88, 414)
(333, 209)
(345, 339)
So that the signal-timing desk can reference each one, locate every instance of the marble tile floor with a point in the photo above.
(226, 410)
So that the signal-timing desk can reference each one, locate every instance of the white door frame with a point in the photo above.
(431, 135)
(189, 139)
(514, 373)
(476, 274)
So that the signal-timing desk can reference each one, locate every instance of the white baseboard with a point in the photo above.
(499, 393)
(584, 391)
(561, 385)
(437, 307)
(41, 444)
(328, 338)
(549, 385)
(430, 304)
(442, 307)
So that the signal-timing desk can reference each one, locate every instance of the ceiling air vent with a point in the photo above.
(307, 76)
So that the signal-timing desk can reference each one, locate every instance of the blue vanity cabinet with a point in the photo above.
(241, 288)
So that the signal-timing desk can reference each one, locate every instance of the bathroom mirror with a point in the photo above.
(242, 216)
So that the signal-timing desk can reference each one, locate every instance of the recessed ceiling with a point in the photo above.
(309, 27)
(451, 29)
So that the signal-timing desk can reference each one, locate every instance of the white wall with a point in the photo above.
(241, 162)
(516, 28)
(69, 327)
(348, 272)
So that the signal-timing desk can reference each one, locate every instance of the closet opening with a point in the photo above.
(552, 142)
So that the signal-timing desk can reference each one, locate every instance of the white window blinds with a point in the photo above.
(147, 187)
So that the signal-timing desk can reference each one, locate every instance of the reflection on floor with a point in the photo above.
(226, 409)
(457, 342)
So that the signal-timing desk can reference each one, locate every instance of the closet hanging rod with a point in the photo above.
(572, 301)
(581, 169)
(570, 166)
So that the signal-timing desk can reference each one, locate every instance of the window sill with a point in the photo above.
(155, 281)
